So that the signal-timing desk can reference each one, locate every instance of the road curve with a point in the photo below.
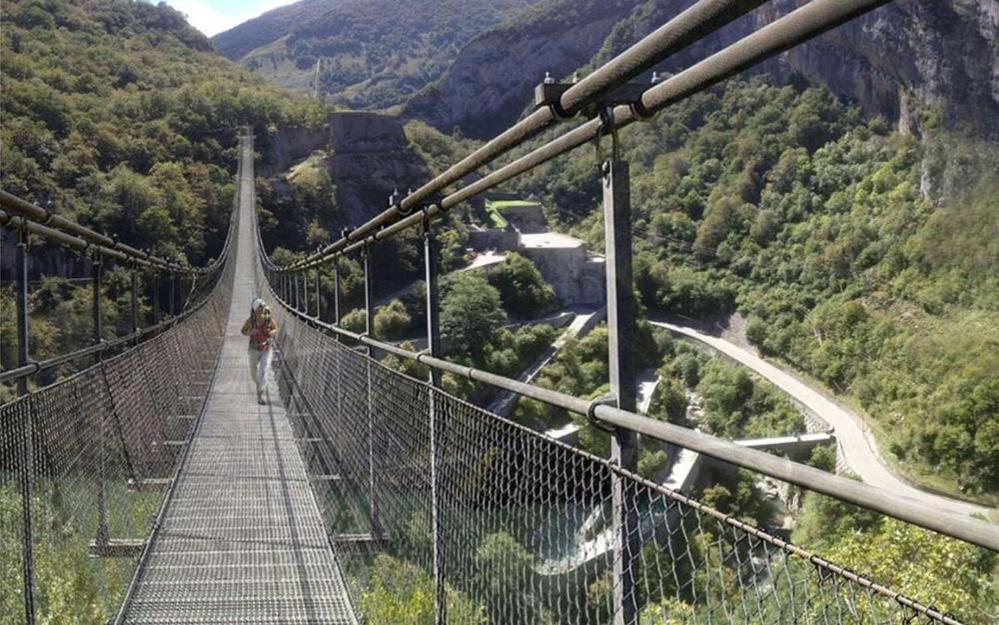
(855, 446)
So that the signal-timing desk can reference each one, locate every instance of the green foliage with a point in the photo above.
(782, 204)
(913, 561)
(71, 588)
(739, 497)
(506, 570)
(354, 320)
(119, 115)
(401, 593)
(738, 406)
(521, 287)
(470, 313)
(670, 400)
(437, 150)
(392, 321)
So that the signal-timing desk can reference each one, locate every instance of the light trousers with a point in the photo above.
(260, 365)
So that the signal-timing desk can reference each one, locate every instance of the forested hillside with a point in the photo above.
(834, 236)
(370, 53)
(120, 115)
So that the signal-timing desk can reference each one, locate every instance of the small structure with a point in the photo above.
(519, 226)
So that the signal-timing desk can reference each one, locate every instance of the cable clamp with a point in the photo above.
(548, 95)
(638, 110)
(606, 115)
(821, 570)
(607, 399)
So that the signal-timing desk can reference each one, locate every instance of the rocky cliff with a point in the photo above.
(910, 61)
(493, 77)
(365, 156)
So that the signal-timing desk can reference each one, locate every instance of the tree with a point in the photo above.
(521, 287)
(354, 320)
(470, 313)
(958, 576)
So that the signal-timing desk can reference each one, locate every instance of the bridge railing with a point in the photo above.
(523, 527)
(85, 463)
(632, 515)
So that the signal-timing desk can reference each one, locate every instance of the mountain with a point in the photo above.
(364, 53)
(908, 55)
(493, 77)
(121, 116)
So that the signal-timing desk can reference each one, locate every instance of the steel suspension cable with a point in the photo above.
(697, 21)
(807, 22)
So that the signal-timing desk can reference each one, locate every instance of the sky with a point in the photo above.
(215, 16)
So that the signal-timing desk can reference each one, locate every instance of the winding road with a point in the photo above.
(856, 447)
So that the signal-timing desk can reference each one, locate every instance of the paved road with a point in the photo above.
(855, 445)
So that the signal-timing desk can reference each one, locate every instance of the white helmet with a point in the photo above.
(257, 303)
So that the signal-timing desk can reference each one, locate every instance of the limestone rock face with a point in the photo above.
(367, 156)
(491, 81)
(290, 143)
(906, 56)
(941, 53)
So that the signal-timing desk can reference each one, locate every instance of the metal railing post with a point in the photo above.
(298, 291)
(431, 260)
(135, 306)
(336, 294)
(305, 293)
(27, 461)
(155, 299)
(173, 294)
(620, 346)
(336, 337)
(97, 277)
(305, 284)
(319, 296)
(369, 322)
(22, 306)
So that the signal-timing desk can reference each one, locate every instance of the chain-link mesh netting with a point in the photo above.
(103, 444)
(526, 523)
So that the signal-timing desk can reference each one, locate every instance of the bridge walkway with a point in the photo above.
(241, 539)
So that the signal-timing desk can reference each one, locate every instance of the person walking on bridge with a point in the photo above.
(260, 327)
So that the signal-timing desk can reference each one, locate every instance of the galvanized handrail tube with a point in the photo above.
(803, 24)
(697, 21)
(18, 373)
(26, 209)
(581, 406)
(67, 232)
(968, 529)
(18, 223)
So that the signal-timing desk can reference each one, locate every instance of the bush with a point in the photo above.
(521, 287)
(354, 320)
(392, 321)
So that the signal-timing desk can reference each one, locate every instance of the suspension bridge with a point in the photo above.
(358, 494)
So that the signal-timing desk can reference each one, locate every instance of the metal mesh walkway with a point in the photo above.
(241, 539)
